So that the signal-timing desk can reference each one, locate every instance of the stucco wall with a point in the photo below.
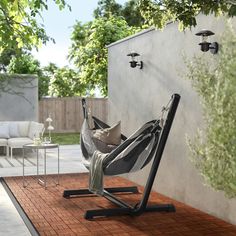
(136, 96)
(19, 102)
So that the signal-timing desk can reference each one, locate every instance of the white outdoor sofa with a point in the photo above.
(15, 134)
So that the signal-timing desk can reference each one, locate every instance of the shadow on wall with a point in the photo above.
(19, 97)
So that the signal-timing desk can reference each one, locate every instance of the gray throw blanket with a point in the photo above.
(96, 173)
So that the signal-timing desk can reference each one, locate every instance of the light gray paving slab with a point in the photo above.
(11, 223)
(70, 162)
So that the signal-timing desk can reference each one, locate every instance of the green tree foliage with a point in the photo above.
(107, 8)
(6, 56)
(24, 64)
(89, 52)
(65, 82)
(159, 13)
(214, 149)
(132, 14)
(18, 23)
(80, 36)
(50, 69)
(130, 11)
(27, 64)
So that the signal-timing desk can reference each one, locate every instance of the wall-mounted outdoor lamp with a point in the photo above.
(133, 62)
(205, 45)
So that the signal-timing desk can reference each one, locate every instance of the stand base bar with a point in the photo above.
(132, 189)
(161, 208)
(90, 214)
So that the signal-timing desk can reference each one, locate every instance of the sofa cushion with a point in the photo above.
(18, 142)
(23, 127)
(34, 129)
(3, 142)
(13, 130)
(4, 130)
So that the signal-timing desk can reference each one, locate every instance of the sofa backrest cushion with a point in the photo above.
(4, 130)
(14, 130)
(35, 129)
(23, 127)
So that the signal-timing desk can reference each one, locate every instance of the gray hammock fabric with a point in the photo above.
(131, 155)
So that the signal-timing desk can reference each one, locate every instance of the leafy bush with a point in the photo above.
(214, 149)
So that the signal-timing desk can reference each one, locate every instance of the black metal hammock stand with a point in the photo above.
(131, 155)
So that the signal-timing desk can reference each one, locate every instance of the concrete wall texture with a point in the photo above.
(136, 96)
(20, 101)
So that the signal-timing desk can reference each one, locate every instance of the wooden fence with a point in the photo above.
(67, 113)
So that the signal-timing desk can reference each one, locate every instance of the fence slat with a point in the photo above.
(67, 113)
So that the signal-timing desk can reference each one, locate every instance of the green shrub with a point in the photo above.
(214, 149)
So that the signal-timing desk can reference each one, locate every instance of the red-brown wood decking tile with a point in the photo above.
(52, 214)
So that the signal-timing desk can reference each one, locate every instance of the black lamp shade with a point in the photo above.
(204, 33)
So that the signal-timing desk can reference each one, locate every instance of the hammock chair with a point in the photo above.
(133, 154)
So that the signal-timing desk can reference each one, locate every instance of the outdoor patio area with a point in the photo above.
(51, 214)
